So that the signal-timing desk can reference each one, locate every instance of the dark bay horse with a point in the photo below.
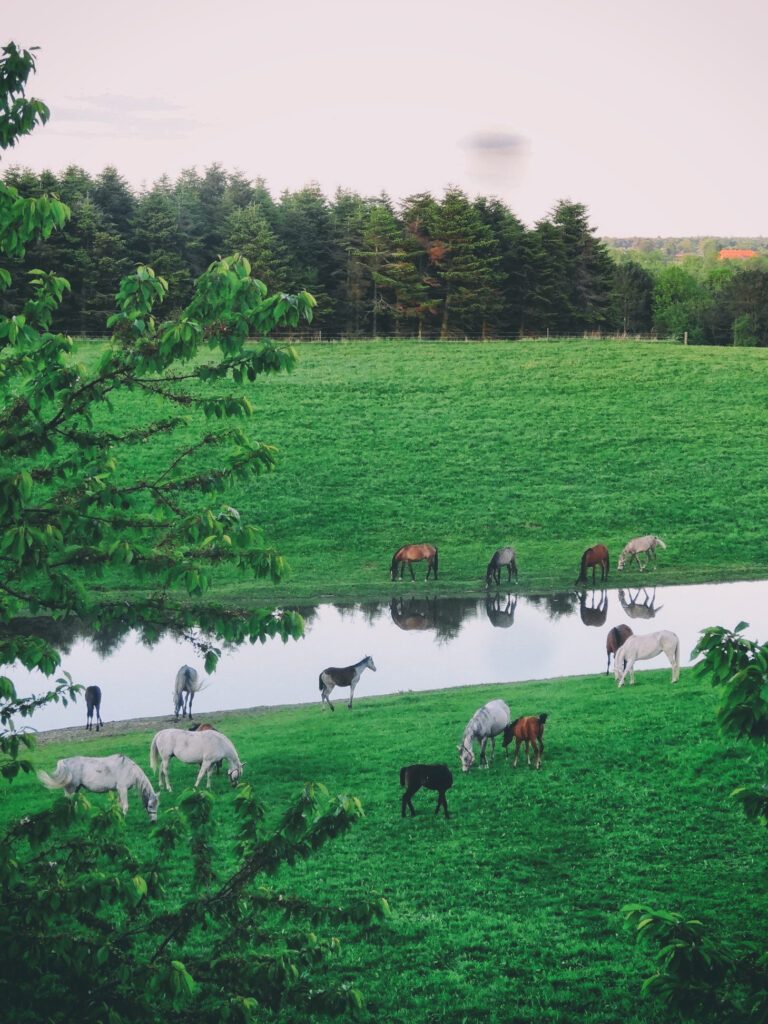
(528, 730)
(593, 609)
(616, 637)
(500, 558)
(93, 704)
(410, 553)
(592, 557)
(430, 776)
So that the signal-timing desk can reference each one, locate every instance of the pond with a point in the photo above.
(418, 642)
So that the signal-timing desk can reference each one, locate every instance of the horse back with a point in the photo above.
(430, 776)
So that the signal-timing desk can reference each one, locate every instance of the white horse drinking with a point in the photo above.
(640, 647)
(486, 724)
(186, 686)
(205, 748)
(640, 546)
(101, 775)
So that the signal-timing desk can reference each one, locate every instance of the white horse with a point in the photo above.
(486, 724)
(349, 676)
(186, 686)
(641, 546)
(100, 775)
(640, 647)
(202, 747)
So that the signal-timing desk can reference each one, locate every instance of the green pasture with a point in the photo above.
(508, 911)
(549, 446)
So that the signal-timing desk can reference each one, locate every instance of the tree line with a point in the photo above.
(426, 267)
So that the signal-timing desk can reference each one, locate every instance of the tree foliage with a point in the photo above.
(91, 930)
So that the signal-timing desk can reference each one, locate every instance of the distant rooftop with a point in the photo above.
(736, 254)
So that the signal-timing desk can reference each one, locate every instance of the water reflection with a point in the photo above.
(419, 642)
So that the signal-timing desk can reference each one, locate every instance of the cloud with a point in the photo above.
(116, 116)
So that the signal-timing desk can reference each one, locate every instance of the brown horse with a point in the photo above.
(528, 730)
(616, 637)
(431, 776)
(592, 557)
(410, 553)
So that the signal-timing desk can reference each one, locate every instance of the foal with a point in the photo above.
(528, 730)
(430, 776)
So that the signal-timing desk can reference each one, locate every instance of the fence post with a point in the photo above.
(685, 337)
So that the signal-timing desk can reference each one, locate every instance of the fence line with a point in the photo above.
(318, 338)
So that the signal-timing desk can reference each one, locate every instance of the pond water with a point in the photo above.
(417, 642)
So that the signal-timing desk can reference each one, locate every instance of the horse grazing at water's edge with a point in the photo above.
(640, 647)
(486, 724)
(500, 558)
(100, 775)
(204, 747)
(529, 730)
(186, 686)
(640, 546)
(592, 557)
(430, 776)
(93, 704)
(616, 637)
(349, 676)
(410, 553)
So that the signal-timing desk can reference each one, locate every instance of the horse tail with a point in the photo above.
(403, 773)
(59, 779)
(435, 563)
(153, 754)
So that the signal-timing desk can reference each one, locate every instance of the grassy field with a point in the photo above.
(550, 447)
(509, 911)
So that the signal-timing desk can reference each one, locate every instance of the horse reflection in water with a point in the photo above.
(593, 608)
(444, 615)
(638, 607)
(413, 612)
(501, 610)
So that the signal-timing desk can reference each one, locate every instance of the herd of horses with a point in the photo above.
(208, 747)
(594, 558)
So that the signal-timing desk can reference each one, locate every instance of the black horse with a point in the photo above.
(430, 776)
(93, 703)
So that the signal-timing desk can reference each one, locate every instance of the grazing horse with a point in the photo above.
(349, 676)
(93, 703)
(411, 553)
(637, 609)
(528, 730)
(486, 724)
(100, 775)
(616, 637)
(640, 647)
(186, 686)
(640, 546)
(592, 557)
(430, 776)
(501, 557)
(206, 727)
(501, 615)
(593, 614)
(203, 747)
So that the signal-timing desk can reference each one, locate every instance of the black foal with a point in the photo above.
(431, 776)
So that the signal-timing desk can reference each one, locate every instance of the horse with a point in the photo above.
(637, 609)
(203, 747)
(410, 553)
(349, 676)
(593, 614)
(640, 647)
(100, 775)
(640, 546)
(598, 555)
(431, 776)
(206, 727)
(186, 686)
(500, 558)
(616, 637)
(501, 615)
(486, 724)
(529, 730)
(93, 703)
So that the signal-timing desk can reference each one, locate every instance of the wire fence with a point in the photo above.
(330, 338)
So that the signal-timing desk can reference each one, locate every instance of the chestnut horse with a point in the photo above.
(528, 730)
(410, 553)
(616, 637)
(592, 557)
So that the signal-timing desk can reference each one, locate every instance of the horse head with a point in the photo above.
(466, 756)
(235, 773)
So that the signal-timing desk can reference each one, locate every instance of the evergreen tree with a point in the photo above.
(116, 201)
(588, 269)
(157, 239)
(546, 284)
(419, 296)
(248, 232)
(509, 235)
(306, 231)
(631, 298)
(352, 286)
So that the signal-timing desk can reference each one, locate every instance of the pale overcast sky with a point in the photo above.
(652, 113)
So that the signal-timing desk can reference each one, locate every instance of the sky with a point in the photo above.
(651, 114)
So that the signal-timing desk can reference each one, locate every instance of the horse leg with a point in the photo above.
(189, 704)
(99, 723)
(122, 792)
(518, 744)
(410, 566)
(203, 769)
(326, 697)
(351, 694)
(441, 800)
(408, 802)
(528, 751)
(538, 751)
(493, 747)
(164, 774)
